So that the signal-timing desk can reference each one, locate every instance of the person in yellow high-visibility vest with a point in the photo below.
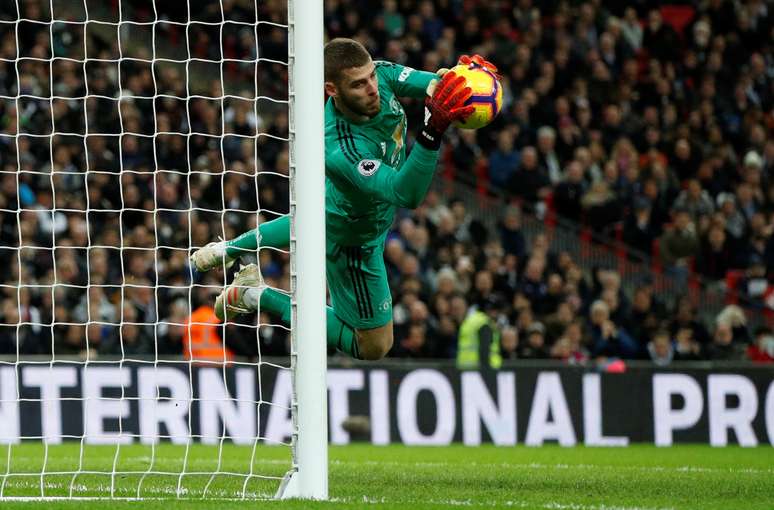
(478, 345)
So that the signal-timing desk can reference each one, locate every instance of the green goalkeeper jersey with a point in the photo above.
(367, 173)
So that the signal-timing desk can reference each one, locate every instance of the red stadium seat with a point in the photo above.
(678, 16)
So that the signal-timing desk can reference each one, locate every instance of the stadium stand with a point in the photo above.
(622, 204)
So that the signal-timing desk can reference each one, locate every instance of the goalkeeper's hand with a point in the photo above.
(465, 60)
(446, 105)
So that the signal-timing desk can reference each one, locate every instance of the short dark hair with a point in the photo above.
(342, 53)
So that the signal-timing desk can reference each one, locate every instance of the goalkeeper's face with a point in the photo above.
(357, 90)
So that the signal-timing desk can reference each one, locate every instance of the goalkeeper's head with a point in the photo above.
(350, 79)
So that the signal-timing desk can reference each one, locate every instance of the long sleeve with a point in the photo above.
(371, 177)
(405, 81)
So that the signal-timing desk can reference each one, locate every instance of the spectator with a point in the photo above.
(695, 201)
(686, 346)
(511, 237)
(639, 231)
(631, 29)
(569, 192)
(734, 316)
(607, 340)
(504, 160)
(716, 255)
(643, 321)
(549, 159)
(535, 345)
(660, 349)
(685, 317)
(679, 243)
(659, 38)
(600, 206)
(509, 343)
(762, 348)
(723, 347)
(466, 154)
(569, 347)
(530, 181)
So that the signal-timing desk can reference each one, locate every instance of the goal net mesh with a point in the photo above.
(132, 133)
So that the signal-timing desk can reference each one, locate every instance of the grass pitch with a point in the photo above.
(361, 476)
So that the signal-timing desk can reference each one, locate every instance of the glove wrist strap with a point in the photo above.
(429, 138)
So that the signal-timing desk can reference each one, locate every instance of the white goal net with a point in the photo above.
(131, 133)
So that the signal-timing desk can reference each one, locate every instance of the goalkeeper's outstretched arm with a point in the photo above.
(408, 186)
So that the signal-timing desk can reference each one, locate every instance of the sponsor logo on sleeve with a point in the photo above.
(368, 167)
(405, 73)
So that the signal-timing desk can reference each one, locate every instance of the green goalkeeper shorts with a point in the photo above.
(357, 282)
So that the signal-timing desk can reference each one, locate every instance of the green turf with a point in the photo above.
(638, 477)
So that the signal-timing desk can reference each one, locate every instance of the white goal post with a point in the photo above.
(305, 20)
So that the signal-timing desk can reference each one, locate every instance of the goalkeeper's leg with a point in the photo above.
(247, 293)
(369, 340)
(272, 234)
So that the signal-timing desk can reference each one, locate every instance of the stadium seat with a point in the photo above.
(678, 16)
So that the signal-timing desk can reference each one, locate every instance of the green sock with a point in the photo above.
(339, 334)
(274, 234)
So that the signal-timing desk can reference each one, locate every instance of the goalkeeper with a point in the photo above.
(367, 177)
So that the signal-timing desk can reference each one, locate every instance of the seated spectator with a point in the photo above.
(509, 343)
(696, 201)
(511, 236)
(549, 159)
(530, 181)
(607, 340)
(600, 206)
(723, 347)
(734, 221)
(414, 343)
(643, 321)
(557, 322)
(686, 346)
(716, 256)
(660, 349)
(734, 316)
(755, 286)
(466, 154)
(762, 348)
(575, 335)
(534, 347)
(685, 317)
(553, 296)
(569, 191)
(679, 243)
(639, 231)
(532, 285)
(504, 160)
(685, 162)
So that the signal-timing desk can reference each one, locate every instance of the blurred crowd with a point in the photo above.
(649, 121)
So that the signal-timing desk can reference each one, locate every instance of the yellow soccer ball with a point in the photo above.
(487, 95)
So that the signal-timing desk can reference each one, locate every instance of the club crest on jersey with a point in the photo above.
(368, 167)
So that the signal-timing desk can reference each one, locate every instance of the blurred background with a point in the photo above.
(621, 206)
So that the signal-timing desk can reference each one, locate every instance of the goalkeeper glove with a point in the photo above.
(444, 106)
(464, 61)
(479, 61)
